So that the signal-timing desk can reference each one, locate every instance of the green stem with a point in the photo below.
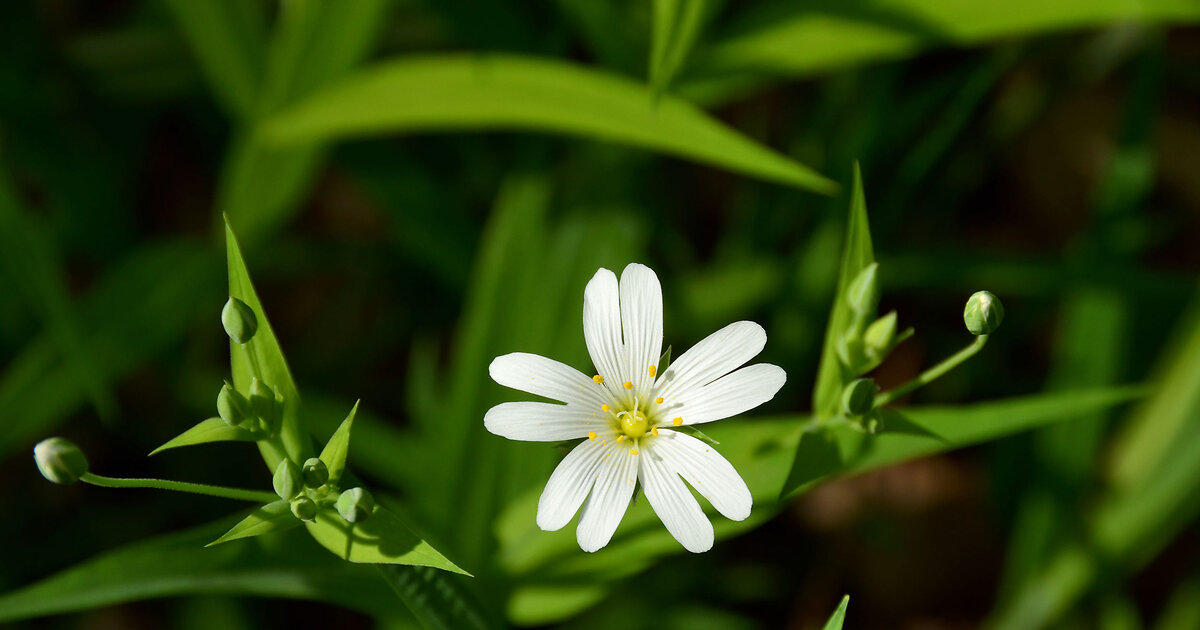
(933, 373)
(180, 486)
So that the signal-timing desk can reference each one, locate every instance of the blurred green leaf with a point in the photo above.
(381, 539)
(208, 431)
(289, 567)
(677, 24)
(504, 92)
(334, 453)
(839, 616)
(262, 356)
(439, 600)
(1182, 610)
(272, 517)
(228, 40)
(857, 254)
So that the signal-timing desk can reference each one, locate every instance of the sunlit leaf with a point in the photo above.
(334, 453)
(839, 616)
(207, 431)
(504, 92)
(381, 539)
(272, 517)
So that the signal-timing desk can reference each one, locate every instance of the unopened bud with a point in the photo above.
(983, 313)
(304, 509)
(232, 406)
(287, 480)
(60, 460)
(264, 405)
(879, 335)
(862, 294)
(355, 505)
(315, 472)
(859, 397)
(239, 320)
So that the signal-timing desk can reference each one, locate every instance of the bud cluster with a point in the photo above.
(307, 489)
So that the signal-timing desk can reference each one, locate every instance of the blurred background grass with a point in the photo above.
(1046, 151)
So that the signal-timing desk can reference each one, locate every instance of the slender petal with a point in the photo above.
(569, 485)
(672, 501)
(715, 356)
(727, 396)
(707, 471)
(642, 321)
(543, 422)
(615, 477)
(602, 326)
(546, 377)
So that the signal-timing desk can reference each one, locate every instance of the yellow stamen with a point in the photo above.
(621, 438)
(628, 384)
(591, 435)
(658, 400)
(654, 431)
(604, 407)
(677, 421)
(598, 378)
(633, 451)
(652, 371)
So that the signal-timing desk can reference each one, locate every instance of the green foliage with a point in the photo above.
(334, 453)
(207, 432)
(839, 616)
(268, 519)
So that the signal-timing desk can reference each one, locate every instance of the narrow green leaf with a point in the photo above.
(439, 600)
(179, 564)
(228, 40)
(272, 517)
(207, 431)
(502, 92)
(263, 357)
(334, 453)
(839, 616)
(676, 26)
(381, 539)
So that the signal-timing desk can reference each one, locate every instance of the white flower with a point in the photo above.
(627, 413)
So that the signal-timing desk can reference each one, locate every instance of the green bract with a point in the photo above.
(239, 320)
(59, 460)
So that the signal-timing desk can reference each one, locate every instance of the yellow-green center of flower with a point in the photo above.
(633, 423)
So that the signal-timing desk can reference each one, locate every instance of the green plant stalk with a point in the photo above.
(272, 448)
(933, 373)
(180, 486)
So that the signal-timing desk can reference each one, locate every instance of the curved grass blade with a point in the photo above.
(506, 92)
(272, 517)
(208, 431)
(677, 24)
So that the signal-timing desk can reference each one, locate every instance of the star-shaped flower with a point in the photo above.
(630, 413)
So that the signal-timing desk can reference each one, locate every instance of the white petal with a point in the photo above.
(673, 502)
(543, 422)
(642, 322)
(707, 471)
(727, 396)
(615, 479)
(602, 326)
(715, 356)
(546, 377)
(569, 485)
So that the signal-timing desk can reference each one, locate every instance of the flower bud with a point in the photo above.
(287, 480)
(859, 397)
(879, 336)
(239, 320)
(862, 294)
(264, 405)
(315, 472)
(304, 509)
(60, 460)
(232, 406)
(983, 313)
(355, 505)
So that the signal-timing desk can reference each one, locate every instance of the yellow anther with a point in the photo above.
(633, 451)
(598, 378)
(628, 384)
(658, 400)
(652, 370)
(604, 407)
(621, 438)
(654, 431)
(591, 435)
(677, 421)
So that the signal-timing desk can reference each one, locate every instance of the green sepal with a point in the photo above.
(268, 519)
(380, 539)
(334, 453)
(696, 433)
(208, 431)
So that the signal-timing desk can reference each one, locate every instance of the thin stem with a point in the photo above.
(933, 373)
(180, 486)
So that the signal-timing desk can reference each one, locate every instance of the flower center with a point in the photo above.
(633, 423)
